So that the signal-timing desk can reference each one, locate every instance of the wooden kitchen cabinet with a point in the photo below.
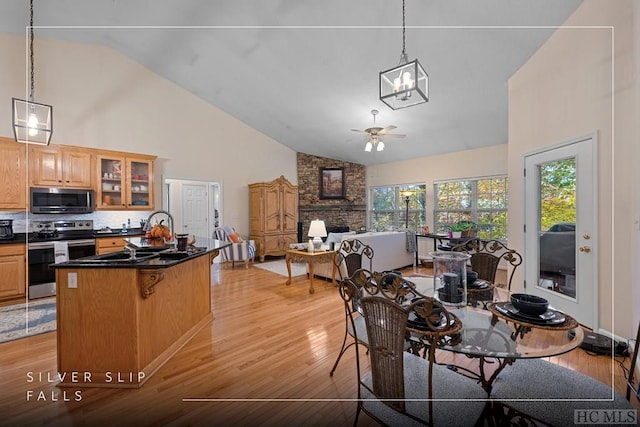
(13, 172)
(60, 166)
(105, 245)
(273, 216)
(13, 267)
(124, 182)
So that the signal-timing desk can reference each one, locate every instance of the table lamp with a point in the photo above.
(317, 230)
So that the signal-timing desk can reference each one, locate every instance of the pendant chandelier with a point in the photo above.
(32, 122)
(406, 84)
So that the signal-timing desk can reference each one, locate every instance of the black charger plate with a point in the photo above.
(549, 318)
(416, 322)
(478, 284)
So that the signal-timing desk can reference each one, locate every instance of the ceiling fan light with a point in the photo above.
(380, 146)
(368, 147)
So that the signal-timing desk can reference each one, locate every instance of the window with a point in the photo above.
(388, 206)
(483, 201)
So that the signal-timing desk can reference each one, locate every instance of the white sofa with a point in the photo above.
(389, 252)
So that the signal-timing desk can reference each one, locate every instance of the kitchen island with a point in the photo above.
(119, 319)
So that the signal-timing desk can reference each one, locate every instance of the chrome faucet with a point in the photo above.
(131, 250)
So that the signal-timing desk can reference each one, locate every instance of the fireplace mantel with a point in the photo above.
(332, 207)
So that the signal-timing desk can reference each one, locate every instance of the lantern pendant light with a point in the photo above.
(32, 122)
(406, 84)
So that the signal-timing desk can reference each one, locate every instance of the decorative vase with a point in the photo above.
(450, 277)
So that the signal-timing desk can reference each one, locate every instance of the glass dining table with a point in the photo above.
(494, 337)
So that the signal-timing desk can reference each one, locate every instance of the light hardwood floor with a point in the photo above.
(268, 341)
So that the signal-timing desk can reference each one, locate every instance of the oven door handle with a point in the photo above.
(83, 242)
(49, 245)
(40, 245)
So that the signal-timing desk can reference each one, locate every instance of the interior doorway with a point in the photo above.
(194, 205)
(561, 200)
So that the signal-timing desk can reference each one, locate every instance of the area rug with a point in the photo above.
(280, 267)
(20, 321)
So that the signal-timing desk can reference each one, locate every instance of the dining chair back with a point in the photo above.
(486, 265)
(386, 322)
(403, 388)
(350, 256)
(347, 261)
(485, 259)
(363, 282)
(633, 382)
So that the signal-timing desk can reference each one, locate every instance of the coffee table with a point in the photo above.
(295, 255)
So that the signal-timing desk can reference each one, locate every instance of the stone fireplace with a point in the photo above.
(336, 213)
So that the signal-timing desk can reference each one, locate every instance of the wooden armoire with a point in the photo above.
(273, 217)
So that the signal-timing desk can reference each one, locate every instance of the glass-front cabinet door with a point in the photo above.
(111, 189)
(125, 183)
(140, 184)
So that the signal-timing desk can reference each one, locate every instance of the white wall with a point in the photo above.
(102, 99)
(565, 91)
(480, 162)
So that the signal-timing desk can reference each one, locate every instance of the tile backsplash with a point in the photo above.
(113, 219)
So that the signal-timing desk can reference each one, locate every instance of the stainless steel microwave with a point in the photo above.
(60, 200)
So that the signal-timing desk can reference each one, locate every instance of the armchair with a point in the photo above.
(242, 250)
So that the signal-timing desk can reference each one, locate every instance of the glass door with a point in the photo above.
(560, 234)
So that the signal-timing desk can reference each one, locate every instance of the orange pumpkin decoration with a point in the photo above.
(156, 242)
(160, 232)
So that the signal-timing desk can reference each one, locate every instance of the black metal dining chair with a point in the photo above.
(352, 255)
(348, 260)
(361, 283)
(403, 388)
(485, 258)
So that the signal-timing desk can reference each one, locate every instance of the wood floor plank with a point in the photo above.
(267, 341)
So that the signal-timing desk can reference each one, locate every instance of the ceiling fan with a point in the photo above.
(376, 133)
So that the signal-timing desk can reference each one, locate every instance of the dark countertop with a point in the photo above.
(166, 258)
(17, 238)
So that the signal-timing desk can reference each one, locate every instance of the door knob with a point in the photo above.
(585, 249)
(586, 236)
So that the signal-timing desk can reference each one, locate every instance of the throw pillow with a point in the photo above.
(235, 237)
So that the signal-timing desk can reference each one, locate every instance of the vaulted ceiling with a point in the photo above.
(306, 72)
